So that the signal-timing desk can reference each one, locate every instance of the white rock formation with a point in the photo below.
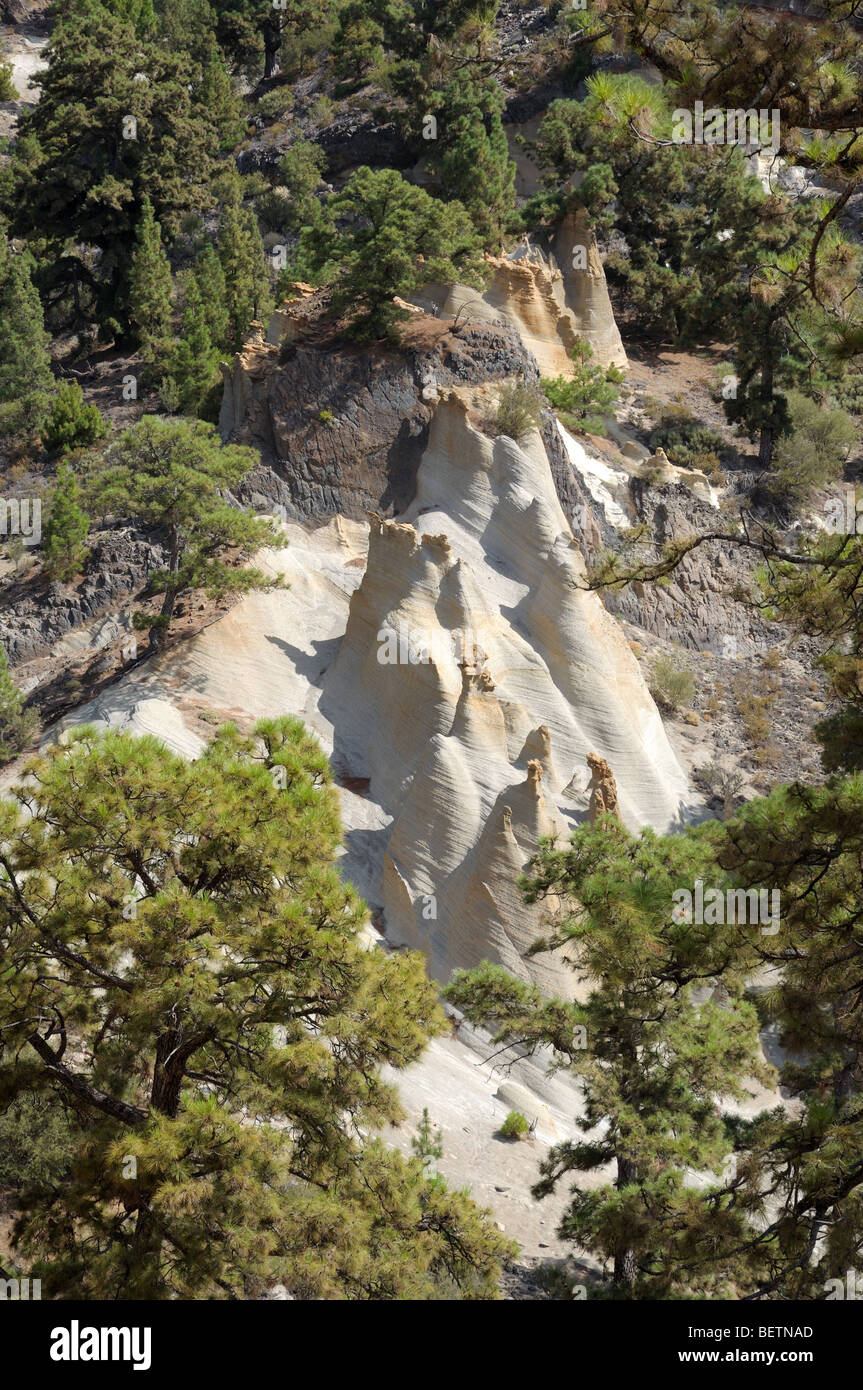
(519, 1098)
(609, 483)
(551, 301)
(609, 487)
(585, 292)
(478, 673)
(150, 715)
(463, 670)
(659, 467)
(26, 59)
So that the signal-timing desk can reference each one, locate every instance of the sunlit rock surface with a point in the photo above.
(479, 674)
(552, 300)
(459, 674)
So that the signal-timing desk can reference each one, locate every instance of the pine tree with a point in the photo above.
(655, 1061)
(427, 1143)
(25, 368)
(186, 26)
(671, 203)
(226, 1028)
(300, 171)
(797, 261)
(582, 399)
(219, 98)
(727, 57)
(92, 168)
(17, 725)
(408, 28)
(247, 286)
(193, 362)
(8, 90)
(65, 548)
(171, 475)
(252, 31)
(150, 287)
(210, 279)
(137, 13)
(383, 236)
(72, 423)
(804, 844)
(709, 253)
(474, 164)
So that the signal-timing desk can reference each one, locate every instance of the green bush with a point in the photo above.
(275, 104)
(72, 422)
(582, 401)
(519, 410)
(515, 1126)
(671, 682)
(708, 463)
(322, 110)
(816, 450)
(689, 443)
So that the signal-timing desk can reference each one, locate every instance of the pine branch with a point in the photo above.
(63, 952)
(71, 1081)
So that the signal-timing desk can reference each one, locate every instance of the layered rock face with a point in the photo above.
(475, 676)
(341, 430)
(697, 608)
(36, 616)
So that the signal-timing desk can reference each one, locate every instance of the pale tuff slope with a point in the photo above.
(471, 750)
(467, 764)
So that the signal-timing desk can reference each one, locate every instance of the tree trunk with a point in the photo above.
(173, 1051)
(146, 1253)
(624, 1269)
(168, 1073)
(624, 1260)
(158, 633)
(272, 42)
